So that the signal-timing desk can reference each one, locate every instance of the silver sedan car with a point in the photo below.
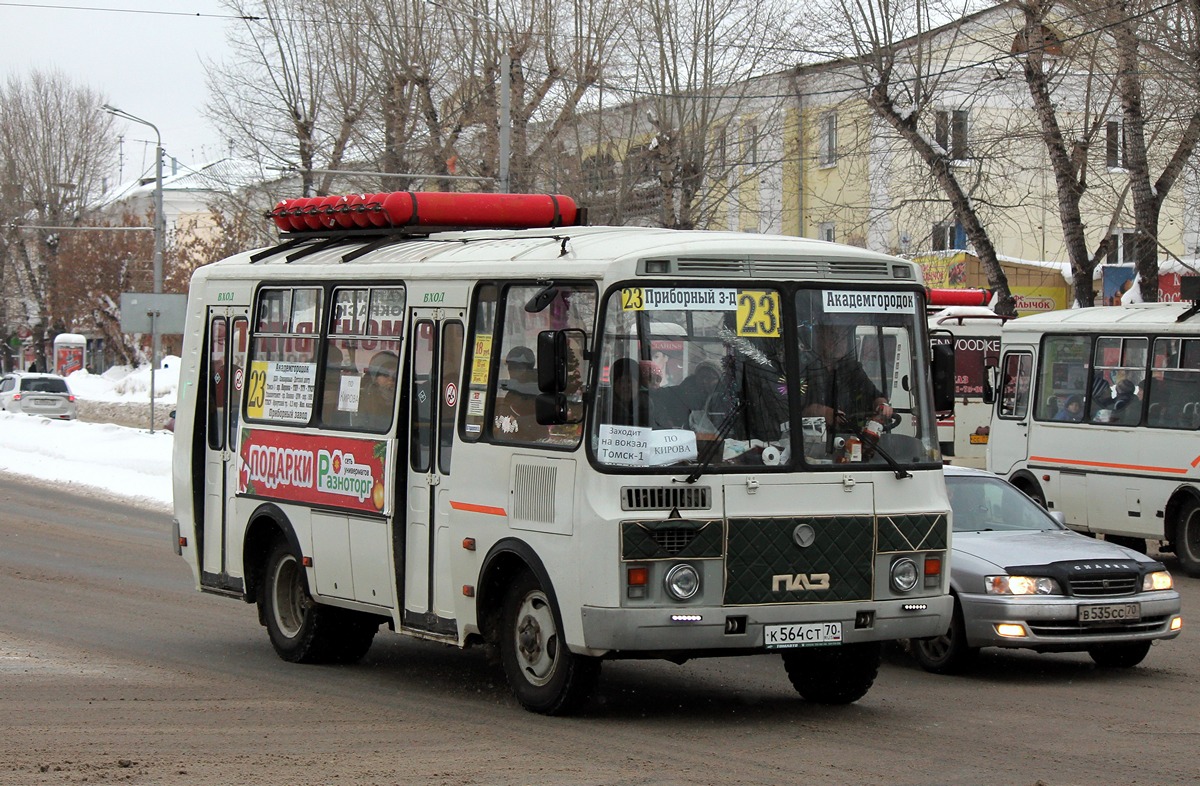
(1021, 579)
(37, 394)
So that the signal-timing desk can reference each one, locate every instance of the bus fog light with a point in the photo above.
(682, 582)
(904, 574)
(1010, 630)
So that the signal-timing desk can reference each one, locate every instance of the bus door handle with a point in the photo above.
(433, 479)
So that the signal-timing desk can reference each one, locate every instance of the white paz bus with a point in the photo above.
(567, 443)
(1098, 415)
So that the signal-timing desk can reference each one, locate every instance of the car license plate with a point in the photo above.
(1110, 612)
(812, 634)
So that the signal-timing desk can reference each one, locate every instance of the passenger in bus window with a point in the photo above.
(1126, 406)
(516, 411)
(630, 394)
(685, 405)
(1072, 411)
(379, 390)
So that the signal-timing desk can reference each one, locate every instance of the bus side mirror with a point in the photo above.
(991, 369)
(550, 409)
(560, 373)
(942, 367)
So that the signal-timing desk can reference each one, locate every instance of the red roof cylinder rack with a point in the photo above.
(428, 210)
(959, 297)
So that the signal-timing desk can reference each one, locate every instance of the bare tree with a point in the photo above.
(295, 88)
(87, 275)
(690, 116)
(1157, 51)
(56, 144)
(905, 62)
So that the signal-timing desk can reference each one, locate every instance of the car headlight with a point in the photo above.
(1021, 585)
(1158, 580)
(904, 575)
(682, 581)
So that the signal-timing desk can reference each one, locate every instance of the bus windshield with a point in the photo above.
(716, 376)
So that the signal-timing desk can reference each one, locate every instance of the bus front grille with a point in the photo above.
(666, 498)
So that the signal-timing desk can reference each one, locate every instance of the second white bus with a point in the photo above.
(1098, 415)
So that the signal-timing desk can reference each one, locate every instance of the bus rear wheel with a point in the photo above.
(1187, 538)
(302, 630)
(833, 675)
(543, 673)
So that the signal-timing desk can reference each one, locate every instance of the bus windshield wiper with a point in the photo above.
(710, 449)
(901, 472)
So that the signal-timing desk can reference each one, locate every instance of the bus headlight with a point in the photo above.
(682, 582)
(904, 574)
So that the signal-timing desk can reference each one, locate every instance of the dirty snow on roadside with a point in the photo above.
(124, 462)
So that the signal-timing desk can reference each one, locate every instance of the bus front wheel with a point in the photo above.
(302, 630)
(543, 673)
(833, 675)
(1187, 538)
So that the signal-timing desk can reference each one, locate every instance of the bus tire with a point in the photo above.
(833, 675)
(1187, 538)
(1122, 655)
(948, 653)
(1031, 488)
(302, 630)
(1137, 544)
(543, 673)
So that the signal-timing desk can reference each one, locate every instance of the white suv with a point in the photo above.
(37, 394)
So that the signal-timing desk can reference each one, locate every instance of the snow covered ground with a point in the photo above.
(118, 461)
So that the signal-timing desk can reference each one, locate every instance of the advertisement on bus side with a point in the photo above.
(339, 472)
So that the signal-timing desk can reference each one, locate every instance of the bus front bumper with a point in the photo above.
(732, 628)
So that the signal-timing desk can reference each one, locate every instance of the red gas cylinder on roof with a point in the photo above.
(959, 297)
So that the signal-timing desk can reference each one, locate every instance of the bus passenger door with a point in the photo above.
(226, 349)
(1008, 442)
(434, 371)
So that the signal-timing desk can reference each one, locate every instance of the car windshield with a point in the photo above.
(983, 504)
(44, 385)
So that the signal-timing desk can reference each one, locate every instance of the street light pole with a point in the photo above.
(505, 91)
(160, 234)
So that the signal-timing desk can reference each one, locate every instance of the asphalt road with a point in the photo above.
(114, 670)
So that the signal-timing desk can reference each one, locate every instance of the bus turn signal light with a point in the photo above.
(933, 571)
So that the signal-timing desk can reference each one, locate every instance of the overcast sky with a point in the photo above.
(145, 56)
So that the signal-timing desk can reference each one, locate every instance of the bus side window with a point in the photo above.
(1014, 400)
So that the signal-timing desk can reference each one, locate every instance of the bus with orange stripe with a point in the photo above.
(475, 420)
(1097, 416)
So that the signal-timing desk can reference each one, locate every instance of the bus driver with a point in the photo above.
(835, 383)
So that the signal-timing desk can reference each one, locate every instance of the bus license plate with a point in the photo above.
(1110, 612)
(813, 634)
